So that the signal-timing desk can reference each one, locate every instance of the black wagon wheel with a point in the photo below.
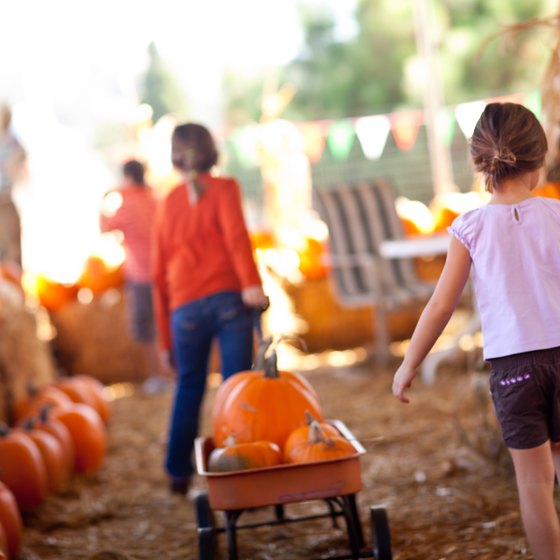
(204, 514)
(207, 543)
(380, 533)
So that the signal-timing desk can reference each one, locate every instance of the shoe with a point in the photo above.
(154, 385)
(180, 485)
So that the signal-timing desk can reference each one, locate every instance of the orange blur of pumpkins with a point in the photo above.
(446, 207)
(548, 190)
(311, 259)
(52, 294)
(99, 276)
(261, 239)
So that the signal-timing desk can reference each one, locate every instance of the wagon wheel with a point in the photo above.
(204, 514)
(207, 543)
(380, 533)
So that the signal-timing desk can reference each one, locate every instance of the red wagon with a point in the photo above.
(335, 481)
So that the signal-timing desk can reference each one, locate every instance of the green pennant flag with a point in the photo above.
(340, 138)
(533, 101)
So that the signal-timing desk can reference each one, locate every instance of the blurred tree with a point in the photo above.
(160, 88)
(376, 69)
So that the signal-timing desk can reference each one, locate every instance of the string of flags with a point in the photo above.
(372, 131)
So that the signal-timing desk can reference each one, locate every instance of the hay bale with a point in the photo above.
(324, 324)
(93, 338)
(25, 358)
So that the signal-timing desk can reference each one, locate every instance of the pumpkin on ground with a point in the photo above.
(262, 405)
(22, 469)
(10, 520)
(243, 456)
(76, 390)
(317, 447)
(44, 421)
(58, 473)
(88, 434)
(97, 390)
(31, 404)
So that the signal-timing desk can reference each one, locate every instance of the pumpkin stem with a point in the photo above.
(29, 424)
(4, 429)
(265, 344)
(317, 435)
(308, 417)
(230, 440)
(271, 366)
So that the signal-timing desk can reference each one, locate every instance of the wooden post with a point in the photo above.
(440, 158)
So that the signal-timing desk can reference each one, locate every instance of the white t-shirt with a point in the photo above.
(515, 252)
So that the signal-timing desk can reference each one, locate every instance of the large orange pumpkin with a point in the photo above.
(10, 520)
(262, 405)
(242, 456)
(88, 434)
(318, 446)
(22, 469)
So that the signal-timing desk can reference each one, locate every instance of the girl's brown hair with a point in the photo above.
(508, 141)
(198, 139)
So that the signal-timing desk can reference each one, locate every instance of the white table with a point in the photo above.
(424, 247)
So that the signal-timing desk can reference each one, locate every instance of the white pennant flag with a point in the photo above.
(372, 133)
(467, 115)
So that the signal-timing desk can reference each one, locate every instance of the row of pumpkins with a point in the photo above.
(58, 431)
(266, 417)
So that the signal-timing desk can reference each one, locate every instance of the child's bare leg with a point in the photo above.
(556, 459)
(534, 472)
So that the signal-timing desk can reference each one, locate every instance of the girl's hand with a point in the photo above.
(402, 381)
(254, 296)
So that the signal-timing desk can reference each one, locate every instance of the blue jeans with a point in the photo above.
(193, 328)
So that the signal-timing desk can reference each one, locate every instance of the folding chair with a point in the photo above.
(359, 217)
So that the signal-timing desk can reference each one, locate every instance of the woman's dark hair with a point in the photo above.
(508, 141)
(197, 138)
(135, 170)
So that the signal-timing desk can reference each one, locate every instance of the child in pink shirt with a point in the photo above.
(512, 248)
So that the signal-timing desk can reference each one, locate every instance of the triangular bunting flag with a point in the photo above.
(405, 126)
(340, 138)
(467, 115)
(445, 125)
(372, 133)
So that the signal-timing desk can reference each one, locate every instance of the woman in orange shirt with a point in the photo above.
(206, 284)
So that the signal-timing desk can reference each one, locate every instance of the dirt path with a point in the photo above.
(443, 500)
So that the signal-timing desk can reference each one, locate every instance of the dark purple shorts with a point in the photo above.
(525, 389)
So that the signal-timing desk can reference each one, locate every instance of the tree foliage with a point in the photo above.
(376, 69)
(160, 88)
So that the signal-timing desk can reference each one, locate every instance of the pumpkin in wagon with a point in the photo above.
(317, 446)
(242, 456)
(262, 405)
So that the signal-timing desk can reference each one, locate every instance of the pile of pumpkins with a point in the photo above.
(58, 431)
(266, 417)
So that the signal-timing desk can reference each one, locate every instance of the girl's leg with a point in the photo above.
(234, 324)
(192, 337)
(534, 473)
(556, 460)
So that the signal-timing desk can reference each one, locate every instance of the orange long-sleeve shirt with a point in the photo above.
(200, 249)
(135, 218)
